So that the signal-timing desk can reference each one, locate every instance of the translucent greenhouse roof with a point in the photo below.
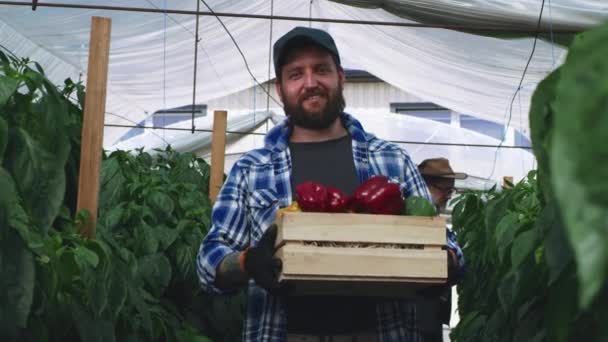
(466, 55)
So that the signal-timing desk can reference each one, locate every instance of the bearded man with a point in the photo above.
(317, 142)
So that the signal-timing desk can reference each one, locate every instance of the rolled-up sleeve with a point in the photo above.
(229, 231)
(414, 184)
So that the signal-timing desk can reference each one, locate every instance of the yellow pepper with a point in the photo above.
(292, 207)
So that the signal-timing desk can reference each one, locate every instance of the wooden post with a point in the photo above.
(92, 126)
(507, 182)
(218, 151)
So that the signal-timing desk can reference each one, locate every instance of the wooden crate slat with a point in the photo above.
(361, 279)
(363, 262)
(361, 228)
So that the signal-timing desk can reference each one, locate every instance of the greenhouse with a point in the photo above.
(113, 210)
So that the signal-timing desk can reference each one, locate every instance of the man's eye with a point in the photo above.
(293, 75)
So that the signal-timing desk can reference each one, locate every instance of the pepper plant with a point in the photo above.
(134, 282)
(537, 266)
(39, 155)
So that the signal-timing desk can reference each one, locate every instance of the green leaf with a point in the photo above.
(135, 296)
(155, 270)
(117, 294)
(184, 261)
(561, 308)
(3, 138)
(99, 294)
(113, 217)
(192, 200)
(161, 202)
(8, 86)
(541, 123)
(91, 328)
(558, 251)
(39, 176)
(37, 330)
(474, 323)
(580, 155)
(529, 327)
(465, 211)
(147, 240)
(492, 328)
(418, 206)
(11, 212)
(190, 335)
(33, 79)
(144, 159)
(166, 236)
(67, 268)
(85, 257)
(524, 244)
(16, 284)
(39, 68)
(106, 236)
(112, 181)
(505, 232)
(506, 291)
(496, 209)
(46, 117)
(80, 93)
(129, 258)
(13, 215)
(3, 58)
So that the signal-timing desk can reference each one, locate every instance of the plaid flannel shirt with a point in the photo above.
(259, 184)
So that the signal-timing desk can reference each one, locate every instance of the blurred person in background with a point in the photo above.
(435, 307)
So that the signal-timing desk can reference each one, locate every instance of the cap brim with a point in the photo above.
(455, 175)
(459, 175)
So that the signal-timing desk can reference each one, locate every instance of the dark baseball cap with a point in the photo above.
(298, 36)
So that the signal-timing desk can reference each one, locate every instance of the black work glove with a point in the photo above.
(260, 262)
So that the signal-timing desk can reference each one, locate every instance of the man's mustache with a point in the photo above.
(313, 93)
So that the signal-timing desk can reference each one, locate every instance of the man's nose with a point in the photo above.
(310, 81)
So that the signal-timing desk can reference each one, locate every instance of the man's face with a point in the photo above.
(311, 88)
(442, 191)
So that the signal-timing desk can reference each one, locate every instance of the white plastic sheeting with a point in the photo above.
(151, 62)
(476, 161)
(559, 15)
(182, 139)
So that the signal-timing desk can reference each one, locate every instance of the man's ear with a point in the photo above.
(342, 77)
(277, 86)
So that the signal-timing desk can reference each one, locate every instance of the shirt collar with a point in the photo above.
(277, 138)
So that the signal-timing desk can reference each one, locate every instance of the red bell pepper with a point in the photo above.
(378, 195)
(312, 197)
(336, 200)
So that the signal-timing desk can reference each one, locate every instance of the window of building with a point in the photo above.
(486, 127)
(164, 118)
(522, 140)
(133, 132)
(423, 110)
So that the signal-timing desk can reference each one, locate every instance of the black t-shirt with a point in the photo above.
(330, 163)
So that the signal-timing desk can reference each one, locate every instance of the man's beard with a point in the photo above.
(298, 116)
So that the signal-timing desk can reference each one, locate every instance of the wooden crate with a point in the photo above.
(360, 254)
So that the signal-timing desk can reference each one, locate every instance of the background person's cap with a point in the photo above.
(297, 36)
(439, 167)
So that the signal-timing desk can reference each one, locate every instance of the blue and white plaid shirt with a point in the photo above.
(259, 184)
